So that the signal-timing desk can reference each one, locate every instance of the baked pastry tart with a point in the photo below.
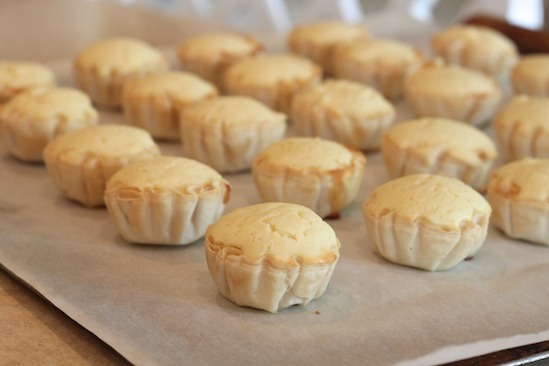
(439, 146)
(426, 221)
(81, 162)
(322, 175)
(518, 194)
(271, 256)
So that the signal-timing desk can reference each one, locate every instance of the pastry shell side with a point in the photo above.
(423, 245)
(528, 220)
(169, 217)
(265, 284)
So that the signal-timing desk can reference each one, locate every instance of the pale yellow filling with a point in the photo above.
(271, 69)
(102, 140)
(231, 110)
(46, 103)
(328, 32)
(118, 55)
(389, 51)
(526, 179)
(306, 153)
(442, 201)
(357, 100)
(450, 79)
(430, 137)
(165, 173)
(215, 45)
(175, 85)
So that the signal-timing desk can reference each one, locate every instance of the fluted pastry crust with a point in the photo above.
(165, 200)
(319, 174)
(271, 256)
(426, 221)
(518, 193)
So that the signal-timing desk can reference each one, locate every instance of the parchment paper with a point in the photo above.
(157, 305)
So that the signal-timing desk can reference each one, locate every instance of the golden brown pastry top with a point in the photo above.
(276, 232)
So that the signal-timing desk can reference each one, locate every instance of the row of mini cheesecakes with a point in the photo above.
(421, 220)
(332, 100)
(103, 67)
(228, 132)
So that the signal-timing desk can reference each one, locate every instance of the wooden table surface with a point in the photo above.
(36, 332)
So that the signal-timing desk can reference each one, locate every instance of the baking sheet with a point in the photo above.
(157, 305)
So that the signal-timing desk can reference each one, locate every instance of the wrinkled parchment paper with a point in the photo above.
(158, 304)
